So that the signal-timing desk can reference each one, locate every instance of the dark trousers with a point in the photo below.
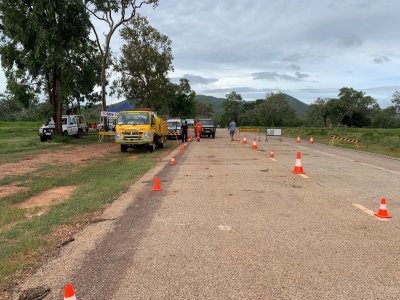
(184, 136)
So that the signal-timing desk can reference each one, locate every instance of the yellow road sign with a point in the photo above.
(249, 129)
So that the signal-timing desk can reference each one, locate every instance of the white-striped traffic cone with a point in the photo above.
(254, 144)
(298, 168)
(382, 212)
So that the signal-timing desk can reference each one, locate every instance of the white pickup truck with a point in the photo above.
(72, 125)
(174, 128)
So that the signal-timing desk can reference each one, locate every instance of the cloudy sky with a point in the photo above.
(305, 48)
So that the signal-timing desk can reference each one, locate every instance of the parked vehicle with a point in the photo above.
(82, 124)
(72, 125)
(174, 128)
(190, 122)
(140, 128)
(208, 127)
(110, 125)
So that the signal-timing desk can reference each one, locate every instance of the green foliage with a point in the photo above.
(276, 111)
(396, 98)
(183, 102)
(233, 107)
(144, 64)
(42, 42)
(203, 110)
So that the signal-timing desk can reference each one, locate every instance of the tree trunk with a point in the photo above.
(56, 100)
(103, 79)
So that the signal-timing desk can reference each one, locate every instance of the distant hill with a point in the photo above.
(215, 102)
(299, 106)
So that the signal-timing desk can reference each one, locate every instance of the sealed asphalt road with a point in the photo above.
(232, 223)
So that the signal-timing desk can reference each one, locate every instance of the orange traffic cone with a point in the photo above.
(298, 169)
(69, 293)
(254, 144)
(272, 154)
(184, 145)
(244, 140)
(311, 140)
(382, 212)
(173, 161)
(298, 139)
(157, 186)
(190, 136)
(181, 150)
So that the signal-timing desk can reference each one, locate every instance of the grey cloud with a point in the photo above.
(349, 41)
(238, 90)
(193, 79)
(294, 57)
(381, 60)
(295, 67)
(301, 75)
(274, 76)
(297, 57)
(321, 91)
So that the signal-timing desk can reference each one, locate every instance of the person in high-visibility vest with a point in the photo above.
(198, 128)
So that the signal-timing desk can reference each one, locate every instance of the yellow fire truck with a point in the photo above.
(140, 127)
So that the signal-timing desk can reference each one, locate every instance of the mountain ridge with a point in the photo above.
(216, 103)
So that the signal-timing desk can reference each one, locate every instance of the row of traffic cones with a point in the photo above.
(297, 141)
(298, 169)
(311, 139)
(180, 151)
(254, 146)
(255, 141)
(157, 186)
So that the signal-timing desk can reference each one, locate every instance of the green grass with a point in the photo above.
(20, 140)
(24, 240)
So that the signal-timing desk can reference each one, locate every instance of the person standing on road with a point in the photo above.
(232, 129)
(197, 128)
(184, 131)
